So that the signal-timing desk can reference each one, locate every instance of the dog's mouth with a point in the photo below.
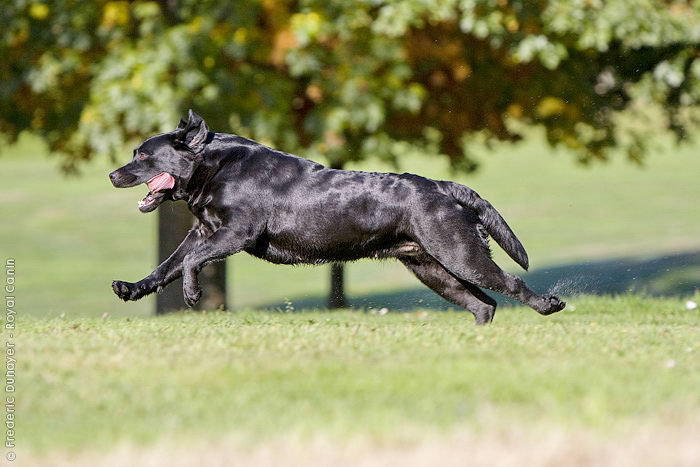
(159, 187)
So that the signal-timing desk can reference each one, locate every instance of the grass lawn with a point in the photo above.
(605, 368)
(608, 381)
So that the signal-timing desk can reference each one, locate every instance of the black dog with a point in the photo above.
(289, 210)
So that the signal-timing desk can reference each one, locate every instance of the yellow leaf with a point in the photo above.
(315, 93)
(461, 72)
(284, 40)
(550, 106)
(309, 22)
(515, 110)
(137, 81)
(195, 25)
(240, 36)
(38, 11)
(87, 116)
(115, 13)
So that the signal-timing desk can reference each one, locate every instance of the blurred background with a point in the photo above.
(574, 118)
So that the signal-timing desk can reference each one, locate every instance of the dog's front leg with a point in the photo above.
(224, 242)
(165, 273)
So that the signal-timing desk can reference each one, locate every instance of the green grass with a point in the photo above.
(88, 383)
(72, 236)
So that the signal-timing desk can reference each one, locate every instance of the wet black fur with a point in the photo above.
(290, 210)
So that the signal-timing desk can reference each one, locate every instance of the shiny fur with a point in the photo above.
(290, 210)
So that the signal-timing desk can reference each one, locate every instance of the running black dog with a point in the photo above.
(289, 210)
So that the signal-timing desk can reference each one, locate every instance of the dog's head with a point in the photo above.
(165, 162)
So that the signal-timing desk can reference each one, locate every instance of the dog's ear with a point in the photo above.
(193, 132)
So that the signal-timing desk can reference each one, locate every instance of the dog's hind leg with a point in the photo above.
(461, 293)
(456, 244)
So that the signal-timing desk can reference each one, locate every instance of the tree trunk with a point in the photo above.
(336, 295)
(174, 221)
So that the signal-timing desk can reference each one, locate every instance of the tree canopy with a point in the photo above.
(350, 78)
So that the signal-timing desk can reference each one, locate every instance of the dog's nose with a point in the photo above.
(114, 178)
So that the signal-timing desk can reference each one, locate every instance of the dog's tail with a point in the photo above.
(495, 225)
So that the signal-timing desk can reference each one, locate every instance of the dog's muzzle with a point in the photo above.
(122, 180)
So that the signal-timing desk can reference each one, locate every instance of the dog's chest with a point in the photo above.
(208, 219)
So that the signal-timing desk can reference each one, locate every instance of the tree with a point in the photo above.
(347, 79)
(173, 225)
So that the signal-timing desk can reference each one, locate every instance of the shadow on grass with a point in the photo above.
(672, 275)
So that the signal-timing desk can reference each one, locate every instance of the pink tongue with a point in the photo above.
(162, 181)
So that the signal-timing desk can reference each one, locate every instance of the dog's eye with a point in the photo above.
(142, 156)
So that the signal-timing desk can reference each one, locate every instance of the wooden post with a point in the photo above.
(336, 297)
(174, 221)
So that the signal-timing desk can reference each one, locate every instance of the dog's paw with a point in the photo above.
(191, 296)
(485, 315)
(123, 290)
(552, 305)
(130, 291)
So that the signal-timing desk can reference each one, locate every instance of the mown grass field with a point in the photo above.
(607, 367)
(609, 381)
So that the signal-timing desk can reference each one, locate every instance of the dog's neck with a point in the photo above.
(190, 188)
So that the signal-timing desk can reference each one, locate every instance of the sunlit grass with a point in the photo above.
(603, 363)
